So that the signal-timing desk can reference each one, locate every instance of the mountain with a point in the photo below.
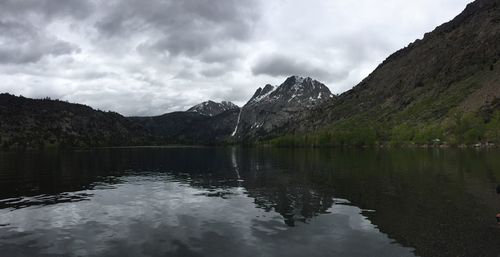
(41, 123)
(213, 123)
(207, 123)
(453, 68)
(190, 127)
(211, 108)
(35, 123)
(442, 88)
(436, 84)
(272, 109)
(32, 123)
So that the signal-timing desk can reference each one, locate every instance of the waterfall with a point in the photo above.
(237, 123)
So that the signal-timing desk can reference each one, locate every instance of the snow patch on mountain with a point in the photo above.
(272, 107)
(211, 108)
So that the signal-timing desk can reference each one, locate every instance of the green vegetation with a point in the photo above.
(346, 134)
(460, 129)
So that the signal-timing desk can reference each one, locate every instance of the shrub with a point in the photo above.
(402, 134)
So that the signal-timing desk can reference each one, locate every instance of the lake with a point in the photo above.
(249, 202)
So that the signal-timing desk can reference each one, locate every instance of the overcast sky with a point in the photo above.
(148, 57)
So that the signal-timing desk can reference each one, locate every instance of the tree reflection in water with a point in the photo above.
(440, 202)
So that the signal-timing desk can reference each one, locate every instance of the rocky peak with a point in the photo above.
(273, 107)
(211, 108)
(295, 90)
(261, 93)
(305, 89)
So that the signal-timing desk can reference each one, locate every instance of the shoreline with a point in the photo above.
(258, 145)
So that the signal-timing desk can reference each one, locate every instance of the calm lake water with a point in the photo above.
(249, 202)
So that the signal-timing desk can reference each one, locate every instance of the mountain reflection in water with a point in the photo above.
(248, 202)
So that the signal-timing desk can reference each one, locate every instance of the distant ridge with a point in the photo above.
(211, 108)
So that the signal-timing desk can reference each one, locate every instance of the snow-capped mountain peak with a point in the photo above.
(211, 108)
(273, 106)
(295, 90)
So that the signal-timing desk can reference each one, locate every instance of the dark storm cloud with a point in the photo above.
(47, 9)
(24, 43)
(24, 37)
(186, 27)
(282, 66)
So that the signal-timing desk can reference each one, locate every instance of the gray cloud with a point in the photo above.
(46, 9)
(23, 43)
(149, 57)
(220, 54)
(277, 65)
(186, 27)
(214, 71)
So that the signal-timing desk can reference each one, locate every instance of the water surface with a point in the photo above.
(249, 202)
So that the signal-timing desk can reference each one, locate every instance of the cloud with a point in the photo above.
(221, 53)
(186, 27)
(46, 9)
(283, 66)
(23, 43)
(215, 71)
(150, 57)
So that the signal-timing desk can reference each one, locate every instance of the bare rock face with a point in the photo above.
(272, 108)
(211, 108)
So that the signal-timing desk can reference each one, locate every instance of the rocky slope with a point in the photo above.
(211, 108)
(453, 69)
(272, 109)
